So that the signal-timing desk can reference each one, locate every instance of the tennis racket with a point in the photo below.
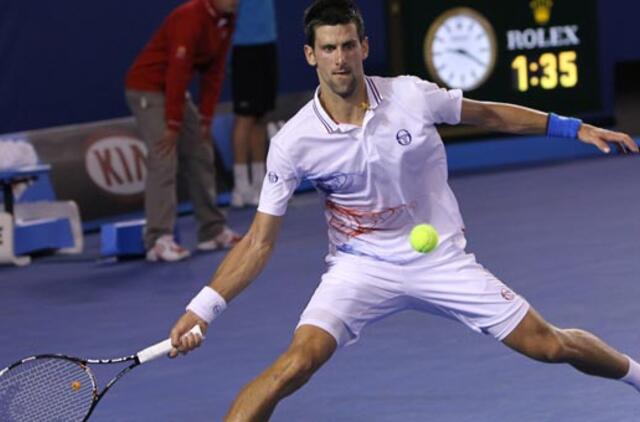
(62, 388)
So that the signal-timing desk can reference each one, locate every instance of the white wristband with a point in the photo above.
(207, 304)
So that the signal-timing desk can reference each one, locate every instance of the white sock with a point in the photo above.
(241, 177)
(633, 376)
(257, 173)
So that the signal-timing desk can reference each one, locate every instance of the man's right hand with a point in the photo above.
(167, 144)
(185, 343)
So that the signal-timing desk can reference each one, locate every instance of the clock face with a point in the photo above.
(460, 49)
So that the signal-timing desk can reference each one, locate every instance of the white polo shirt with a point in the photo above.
(379, 179)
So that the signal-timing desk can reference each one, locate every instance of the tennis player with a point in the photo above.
(369, 144)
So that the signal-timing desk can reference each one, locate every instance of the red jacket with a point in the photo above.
(194, 37)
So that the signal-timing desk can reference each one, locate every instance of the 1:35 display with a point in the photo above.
(548, 71)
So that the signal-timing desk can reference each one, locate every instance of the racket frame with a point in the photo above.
(145, 355)
(84, 365)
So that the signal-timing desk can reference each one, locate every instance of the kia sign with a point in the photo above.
(100, 165)
(116, 164)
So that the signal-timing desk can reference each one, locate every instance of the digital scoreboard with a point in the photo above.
(537, 53)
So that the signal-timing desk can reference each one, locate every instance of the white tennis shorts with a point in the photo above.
(356, 291)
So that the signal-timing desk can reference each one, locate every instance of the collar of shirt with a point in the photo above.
(221, 19)
(374, 99)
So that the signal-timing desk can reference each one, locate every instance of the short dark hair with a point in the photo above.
(331, 12)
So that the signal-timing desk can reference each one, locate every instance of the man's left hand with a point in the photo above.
(602, 137)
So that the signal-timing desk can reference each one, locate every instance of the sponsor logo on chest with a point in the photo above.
(404, 137)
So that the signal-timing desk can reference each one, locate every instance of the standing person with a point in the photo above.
(370, 145)
(254, 77)
(195, 37)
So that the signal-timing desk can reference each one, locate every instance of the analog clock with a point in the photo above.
(460, 49)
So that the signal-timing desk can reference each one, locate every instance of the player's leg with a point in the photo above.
(310, 348)
(476, 298)
(352, 294)
(539, 340)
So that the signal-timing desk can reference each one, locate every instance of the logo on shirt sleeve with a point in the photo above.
(507, 294)
(403, 137)
(273, 177)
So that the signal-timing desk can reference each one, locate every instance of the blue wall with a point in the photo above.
(619, 40)
(64, 61)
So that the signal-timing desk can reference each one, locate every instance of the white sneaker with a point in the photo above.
(237, 199)
(225, 240)
(254, 196)
(244, 198)
(167, 250)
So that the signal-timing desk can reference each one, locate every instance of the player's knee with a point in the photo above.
(553, 351)
(299, 364)
(539, 340)
(557, 346)
(572, 339)
(303, 364)
(542, 342)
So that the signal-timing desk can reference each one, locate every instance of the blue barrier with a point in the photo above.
(42, 234)
(125, 238)
(122, 238)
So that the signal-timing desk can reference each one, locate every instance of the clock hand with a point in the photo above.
(466, 54)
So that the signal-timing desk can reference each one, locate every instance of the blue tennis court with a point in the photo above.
(565, 236)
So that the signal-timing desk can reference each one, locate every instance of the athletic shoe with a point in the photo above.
(225, 240)
(254, 198)
(245, 198)
(167, 250)
(237, 199)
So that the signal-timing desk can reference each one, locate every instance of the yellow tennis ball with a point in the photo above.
(75, 385)
(424, 238)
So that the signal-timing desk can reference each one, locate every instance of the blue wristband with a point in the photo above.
(563, 127)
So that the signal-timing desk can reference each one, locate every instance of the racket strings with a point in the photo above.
(46, 389)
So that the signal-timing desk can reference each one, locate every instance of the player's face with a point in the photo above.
(337, 55)
(225, 6)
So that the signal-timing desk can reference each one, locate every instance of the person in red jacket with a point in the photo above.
(194, 38)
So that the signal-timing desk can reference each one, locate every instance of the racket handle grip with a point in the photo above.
(162, 348)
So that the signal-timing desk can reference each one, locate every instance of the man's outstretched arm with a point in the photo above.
(239, 268)
(510, 118)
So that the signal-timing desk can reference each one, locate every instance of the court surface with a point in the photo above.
(565, 236)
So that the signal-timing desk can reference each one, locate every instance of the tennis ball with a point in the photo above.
(424, 238)
(75, 385)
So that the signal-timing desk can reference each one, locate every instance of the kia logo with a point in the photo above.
(117, 164)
